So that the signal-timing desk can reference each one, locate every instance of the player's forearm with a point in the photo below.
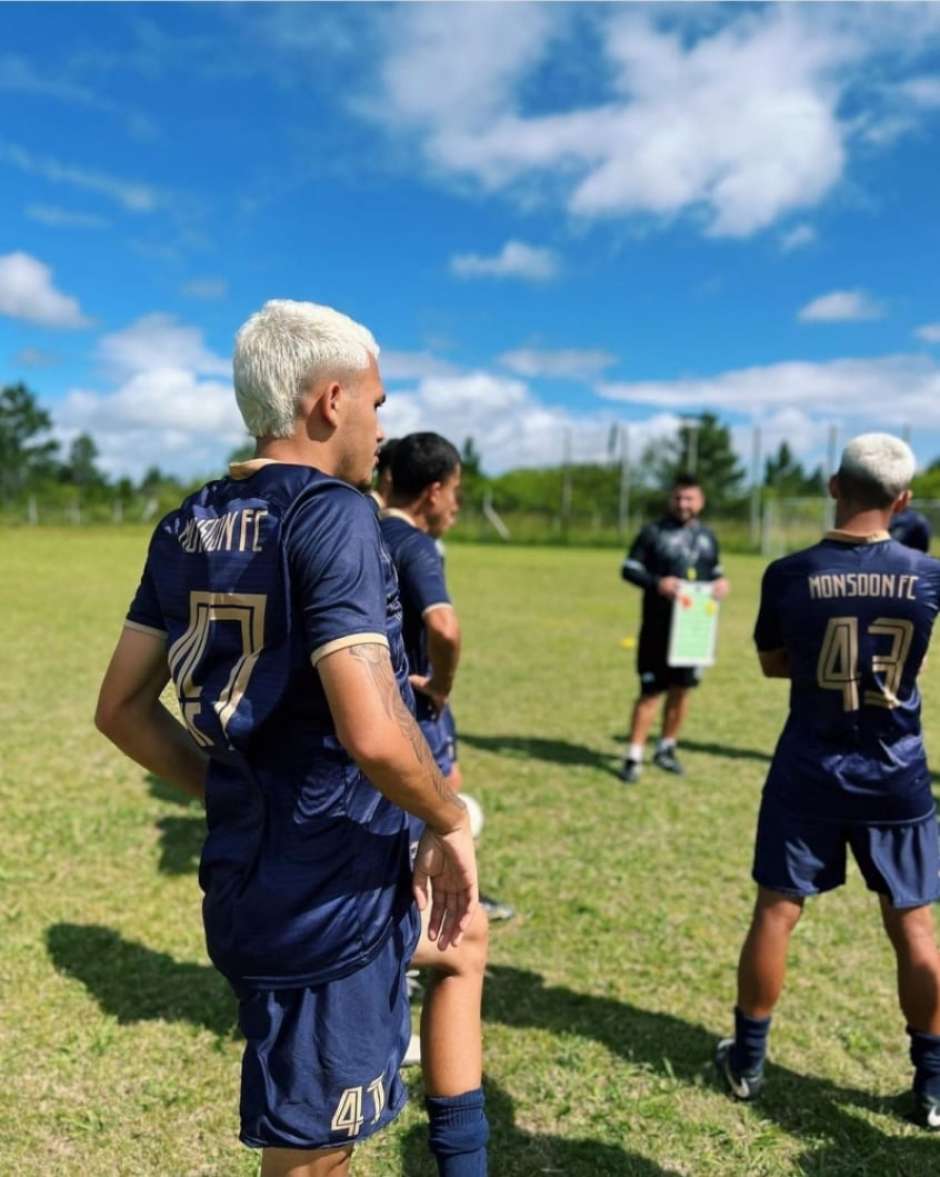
(149, 735)
(404, 771)
(380, 733)
(444, 656)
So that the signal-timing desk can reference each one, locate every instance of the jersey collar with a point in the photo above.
(395, 513)
(241, 470)
(847, 537)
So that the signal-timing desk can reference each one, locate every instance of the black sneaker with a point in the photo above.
(745, 1085)
(927, 1111)
(630, 772)
(496, 910)
(668, 761)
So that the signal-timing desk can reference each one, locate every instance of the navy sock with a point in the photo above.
(925, 1055)
(458, 1133)
(750, 1042)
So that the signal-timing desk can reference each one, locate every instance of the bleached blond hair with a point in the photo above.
(875, 468)
(284, 348)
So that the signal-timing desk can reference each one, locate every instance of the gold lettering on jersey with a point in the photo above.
(826, 585)
(236, 531)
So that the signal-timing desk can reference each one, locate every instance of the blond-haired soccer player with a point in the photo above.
(848, 621)
(270, 600)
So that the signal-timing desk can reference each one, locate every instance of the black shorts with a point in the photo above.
(655, 674)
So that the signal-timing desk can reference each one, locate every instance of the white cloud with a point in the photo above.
(35, 357)
(413, 365)
(515, 260)
(559, 364)
(156, 342)
(798, 237)
(841, 306)
(135, 197)
(27, 292)
(165, 416)
(929, 333)
(889, 391)
(804, 434)
(455, 75)
(739, 118)
(510, 426)
(63, 218)
(205, 288)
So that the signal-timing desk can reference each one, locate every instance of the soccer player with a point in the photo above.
(269, 599)
(848, 622)
(424, 501)
(675, 548)
(911, 528)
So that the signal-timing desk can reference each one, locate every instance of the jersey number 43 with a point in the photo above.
(838, 669)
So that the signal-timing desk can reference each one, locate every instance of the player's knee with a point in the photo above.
(468, 958)
(782, 911)
(911, 932)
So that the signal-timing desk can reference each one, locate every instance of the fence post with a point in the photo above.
(623, 511)
(32, 511)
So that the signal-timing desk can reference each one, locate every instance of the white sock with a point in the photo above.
(635, 753)
(666, 744)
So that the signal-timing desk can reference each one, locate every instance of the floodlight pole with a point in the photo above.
(566, 484)
(755, 486)
(623, 514)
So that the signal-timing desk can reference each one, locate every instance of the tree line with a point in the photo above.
(34, 464)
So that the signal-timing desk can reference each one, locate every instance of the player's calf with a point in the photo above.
(451, 1051)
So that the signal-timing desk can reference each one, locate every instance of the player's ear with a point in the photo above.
(902, 502)
(833, 486)
(331, 403)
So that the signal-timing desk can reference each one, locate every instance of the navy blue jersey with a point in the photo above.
(252, 581)
(911, 528)
(670, 548)
(855, 616)
(420, 567)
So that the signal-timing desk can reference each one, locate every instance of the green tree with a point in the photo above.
(80, 469)
(786, 477)
(27, 453)
(701, 446)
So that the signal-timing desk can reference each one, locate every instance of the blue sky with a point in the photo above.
(552, 217)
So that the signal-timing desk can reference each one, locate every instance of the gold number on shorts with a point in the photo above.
(247, 610)
(837, 668)
(348, 1116)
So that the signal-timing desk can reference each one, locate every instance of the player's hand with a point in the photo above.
(720, 589)
(668, 587)
(427, 687)
(446, 874)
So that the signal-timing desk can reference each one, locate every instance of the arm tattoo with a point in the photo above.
(376, 660)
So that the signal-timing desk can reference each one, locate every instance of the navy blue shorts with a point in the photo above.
(801, 856)
(320, 1068)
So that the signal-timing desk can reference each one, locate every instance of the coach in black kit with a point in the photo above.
(675, 548)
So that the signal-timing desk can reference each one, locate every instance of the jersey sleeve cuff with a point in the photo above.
(436, 605)
(352, 639)
(140, 628)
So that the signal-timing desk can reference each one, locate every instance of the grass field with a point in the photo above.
(118, 1051)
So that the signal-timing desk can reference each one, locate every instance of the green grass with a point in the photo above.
(118, 1051)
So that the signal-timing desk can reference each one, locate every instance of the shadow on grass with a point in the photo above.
(539, 748)
(181, 838)
(728, 751)
(513, 1150)
(810, 1109)
(135, 984)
